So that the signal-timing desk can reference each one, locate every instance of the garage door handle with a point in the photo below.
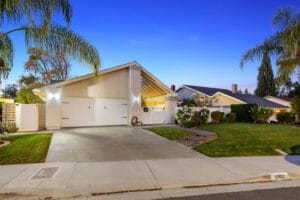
(65, 118)
(124, 117)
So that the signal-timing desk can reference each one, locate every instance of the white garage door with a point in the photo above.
(93, 112)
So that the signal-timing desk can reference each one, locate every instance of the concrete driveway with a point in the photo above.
(119, 143)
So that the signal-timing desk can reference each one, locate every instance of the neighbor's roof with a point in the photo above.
(246, 98)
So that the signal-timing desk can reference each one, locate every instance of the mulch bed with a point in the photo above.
(195, 139)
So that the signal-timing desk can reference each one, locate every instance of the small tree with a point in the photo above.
(26, 96)
(265, 78)
(10, 91)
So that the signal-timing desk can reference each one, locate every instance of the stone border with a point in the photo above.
(5, 143)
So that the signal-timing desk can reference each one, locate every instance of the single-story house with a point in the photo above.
(218, 97)
(114, 97)
(286, 101)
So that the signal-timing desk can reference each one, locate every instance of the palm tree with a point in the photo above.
(285, 44)
(39, 31)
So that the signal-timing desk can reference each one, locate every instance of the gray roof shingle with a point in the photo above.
(247, 98)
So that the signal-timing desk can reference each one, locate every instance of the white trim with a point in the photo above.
(184, 86)
(218, 93)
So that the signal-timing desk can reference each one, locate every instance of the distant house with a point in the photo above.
(286, 101)
(218, 97)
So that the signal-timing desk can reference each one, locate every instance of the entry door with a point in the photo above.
(77, 112)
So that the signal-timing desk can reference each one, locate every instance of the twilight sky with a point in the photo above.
(196, 42)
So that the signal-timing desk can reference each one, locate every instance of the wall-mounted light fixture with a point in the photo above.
(53, 96)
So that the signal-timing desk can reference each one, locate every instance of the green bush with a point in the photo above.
(217, 116)
(26, 96)
(9, 127)
(285, 117)
(189, 119)
(242, 112)
(184, 114)
(230, 117)
(200, 117)
(260, 114)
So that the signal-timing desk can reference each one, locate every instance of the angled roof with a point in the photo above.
(206, 90)
(245, 98)
(101, 72)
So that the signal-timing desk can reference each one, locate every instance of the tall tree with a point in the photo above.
(285, 44)
(34, 18)
(265, 78)
(47, 66)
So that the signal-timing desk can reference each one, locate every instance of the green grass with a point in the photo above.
(25, 149)
(250, 140)
(170, 132)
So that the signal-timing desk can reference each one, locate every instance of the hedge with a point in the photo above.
(242, 112)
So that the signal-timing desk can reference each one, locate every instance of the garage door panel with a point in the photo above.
(93, 112)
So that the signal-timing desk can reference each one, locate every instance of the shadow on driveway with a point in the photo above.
(293, 159)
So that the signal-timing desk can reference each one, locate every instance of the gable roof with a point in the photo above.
(245, 98)
(105, 71)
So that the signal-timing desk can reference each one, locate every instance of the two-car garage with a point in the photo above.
(93, 112)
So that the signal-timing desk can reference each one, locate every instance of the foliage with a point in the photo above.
(230, 117)
(199, 117)
(242, 112)
(188, 103)
(170, 132)
(48, 66)
(26, 96)
(295, 90)
(23, 149)
(9, 127)
(296, 105)
(260, 114)
(39, 31)
(10, 91)
(189, 119)
(249, 139)
(29, 82)
(285, 117)
(284, 44)
(265, 78)
(184, 114)
(217, 116)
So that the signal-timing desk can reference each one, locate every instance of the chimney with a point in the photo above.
(234, 88)
(173, 88)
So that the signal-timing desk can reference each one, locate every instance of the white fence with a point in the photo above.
(154, 116)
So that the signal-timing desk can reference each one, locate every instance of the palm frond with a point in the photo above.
(34, 10)
(6, 56)
(62, 39)
(271, 46)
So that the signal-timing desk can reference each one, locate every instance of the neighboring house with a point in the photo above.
(286, 101)
(114, 97)
(218, 97)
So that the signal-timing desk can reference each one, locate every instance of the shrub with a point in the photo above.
(188, 103)
(184, 114)
(260, 114)
(230, 117)
(200, 117)
(217, 116)
(189, 119)
(285, 117)
(8, 127)
(242, 112)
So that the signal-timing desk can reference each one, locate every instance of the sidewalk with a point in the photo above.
(67, 180)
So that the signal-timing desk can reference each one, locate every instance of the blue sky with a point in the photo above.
(196, 42)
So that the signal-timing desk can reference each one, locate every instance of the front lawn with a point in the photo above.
(250, 140)
(170, 132)
(25, 149)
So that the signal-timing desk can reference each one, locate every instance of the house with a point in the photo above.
(218, 97)
(286, 101)
(114, 97)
